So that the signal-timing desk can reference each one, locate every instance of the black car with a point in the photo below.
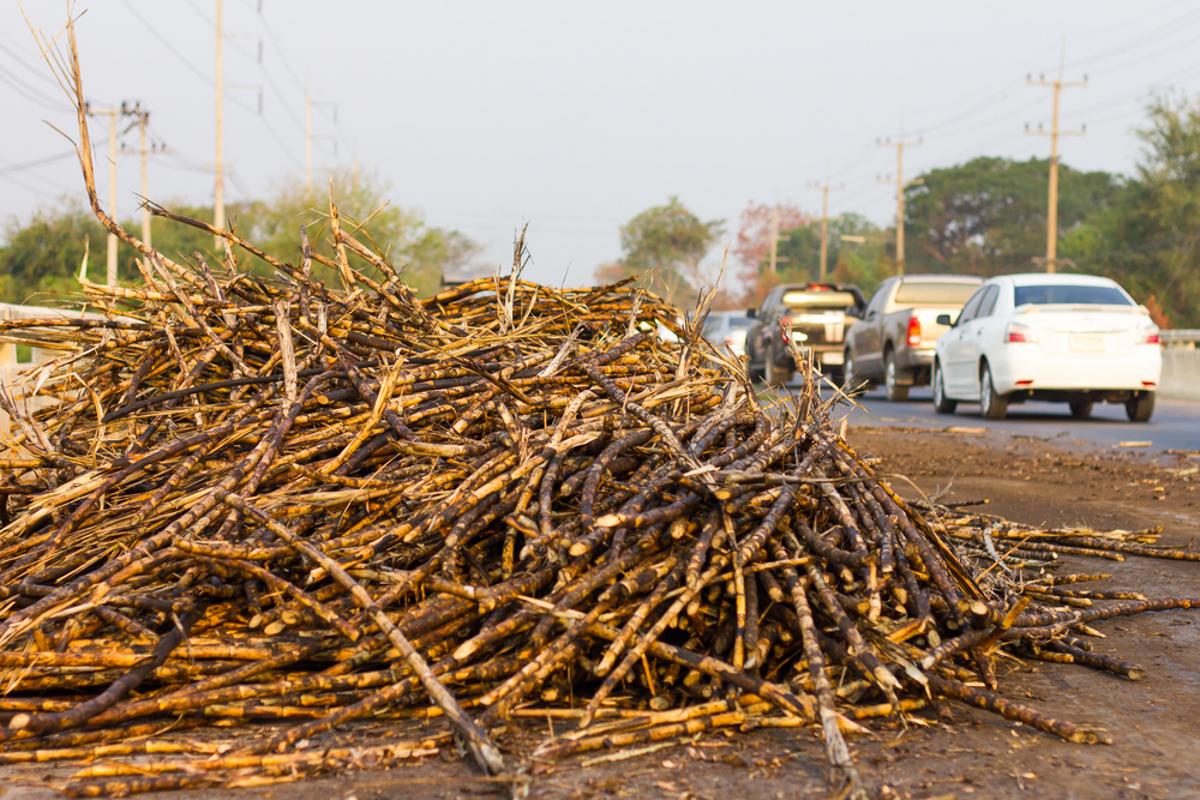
(817, 314)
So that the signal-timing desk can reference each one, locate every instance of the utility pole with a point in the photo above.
(310, 136)
(145, 149)
(113, 114)
(899, 144)
(1057, 86)
(219, 167)
(144, 152)
(825, 189)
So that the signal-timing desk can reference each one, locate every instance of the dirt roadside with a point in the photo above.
(963, 753)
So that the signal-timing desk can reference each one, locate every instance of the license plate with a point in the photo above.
(832, 357)
(1086, 343)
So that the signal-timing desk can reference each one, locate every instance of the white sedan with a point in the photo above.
(1079, 339)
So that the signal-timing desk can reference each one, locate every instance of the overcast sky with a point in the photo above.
(575, 116)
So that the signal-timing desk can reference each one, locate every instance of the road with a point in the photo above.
(1175, 425)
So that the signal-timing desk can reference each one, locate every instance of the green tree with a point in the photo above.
(665, 246)
(861, 263)
(988, 216)
(420, 251)
(40, 258)
(1150, 239)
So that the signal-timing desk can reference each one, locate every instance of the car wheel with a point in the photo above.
(1140, 407)
(1081, 409)
(896, 392)
(753, 369)
(941, 403)
(991, 404)
(850, 376)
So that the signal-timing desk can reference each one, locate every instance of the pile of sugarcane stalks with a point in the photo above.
(313, 513)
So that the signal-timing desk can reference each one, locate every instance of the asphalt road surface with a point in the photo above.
(1174, 426)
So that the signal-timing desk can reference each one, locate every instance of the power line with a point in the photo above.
(31, 93)
(38, 73)
(287, 108)
(200, 13)
(36, 162)
(199, 73)
(28, 187)
(279, 50)
(1152, 37)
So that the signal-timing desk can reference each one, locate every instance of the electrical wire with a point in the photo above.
(274, 134)
(8, 166)
(27, 186)
(1151, 37)
(300, 84)
(31, 93)
(38, 73)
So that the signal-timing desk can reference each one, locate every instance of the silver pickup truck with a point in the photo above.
(893, 341)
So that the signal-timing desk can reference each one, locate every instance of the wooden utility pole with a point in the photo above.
(219, 166)
(144, 152)
(114, 114)
(1057, 86)
(145, 149)
(310, 136)
(825, 188)
(899, 144)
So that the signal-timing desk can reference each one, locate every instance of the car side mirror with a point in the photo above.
(752, 313)
(945, 319)
(853, 311)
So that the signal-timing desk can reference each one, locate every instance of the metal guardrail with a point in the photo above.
(1181, 337)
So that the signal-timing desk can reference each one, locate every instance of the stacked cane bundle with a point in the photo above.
(246, 501)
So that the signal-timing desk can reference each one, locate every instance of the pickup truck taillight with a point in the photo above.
(914, 332)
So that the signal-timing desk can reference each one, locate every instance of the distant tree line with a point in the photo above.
(41, 257)
(984, 217)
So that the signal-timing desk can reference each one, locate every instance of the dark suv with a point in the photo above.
(817, 315)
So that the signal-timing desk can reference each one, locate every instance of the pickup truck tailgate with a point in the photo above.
(930, 329)
(815, 327)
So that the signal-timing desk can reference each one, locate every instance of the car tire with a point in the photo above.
(992, 405)
(754, 370)
(850, 377)
(896, 392)
(1081, 409)
(941, 403)
(1140, 407)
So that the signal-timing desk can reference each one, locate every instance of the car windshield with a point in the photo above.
(1069, 294)
(800, 297)
(739, 323)
(920, 293)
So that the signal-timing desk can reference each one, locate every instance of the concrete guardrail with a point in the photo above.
(1181, 365)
